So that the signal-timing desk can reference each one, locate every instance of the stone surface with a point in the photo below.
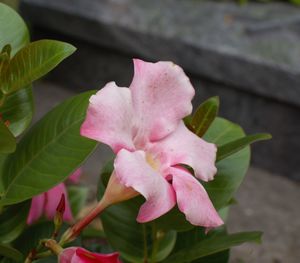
(267, 202)
(254, 48)
(270, 204)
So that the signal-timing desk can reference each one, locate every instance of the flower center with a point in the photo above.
(154, 163)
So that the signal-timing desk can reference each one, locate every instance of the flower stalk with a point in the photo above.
(53, 246)
(115, 193)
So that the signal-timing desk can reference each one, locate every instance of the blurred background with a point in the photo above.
(246, 52)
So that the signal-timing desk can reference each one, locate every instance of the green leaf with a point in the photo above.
(30, 238)
(7, 140)
(13, 30)
(196, 235)
(237, 145)
(174, 220)
(52, 259)
(77, 198)
(32, 235)
(18, 109)
(220, 257)
(204, 115)
(214, 243)
(126, 235)
(32, 62)
(50, 151)
(10, 252)
(231, 171)
(13, 221)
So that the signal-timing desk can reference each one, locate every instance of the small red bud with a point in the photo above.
(61, 205)
(58, 219)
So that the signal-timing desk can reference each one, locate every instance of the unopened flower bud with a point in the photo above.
(59, 216)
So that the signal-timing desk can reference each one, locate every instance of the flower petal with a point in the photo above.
(87, 256)
(75, 177)
(66, 256)
(133, 171)
(184, 147)
(81, 255)
(53, 197)
(193, 200)
(161, 96)
(109, 117)
(36, 208)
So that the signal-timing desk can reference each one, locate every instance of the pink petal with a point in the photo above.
(53, 197)
(161, 96)
(133, 171)
(109, 117)
(67, 254)
(184, 147)
(86, 256)
(81, 255)
(36, 208)
(193, 200)
(75, 177)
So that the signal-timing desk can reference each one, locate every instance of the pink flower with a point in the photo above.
(46, 203)
(143, 126)
(80, 255)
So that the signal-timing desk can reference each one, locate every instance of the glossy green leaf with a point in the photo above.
(127, 236)
(32, 235)
(13, 30)
(13, 221)
(10, 252)
(30, 238)
(213, 244)
(230, 148)
(52, 259)
(205, 115)
(173, 220)
(220, 257)
(77, 196)
(7, 140)
(196, 235)
(18, 110)
(32, 62)
(50, 151)
(231, 170)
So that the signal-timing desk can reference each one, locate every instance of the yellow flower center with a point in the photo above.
(154, 163)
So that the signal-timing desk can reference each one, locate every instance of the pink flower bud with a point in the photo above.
(81, 255)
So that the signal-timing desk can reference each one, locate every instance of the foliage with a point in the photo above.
(50, 150)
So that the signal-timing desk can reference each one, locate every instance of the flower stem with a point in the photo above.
(53, 246)
(76, 229)
(43, 254)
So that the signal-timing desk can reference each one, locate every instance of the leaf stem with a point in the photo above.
(76, 229)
